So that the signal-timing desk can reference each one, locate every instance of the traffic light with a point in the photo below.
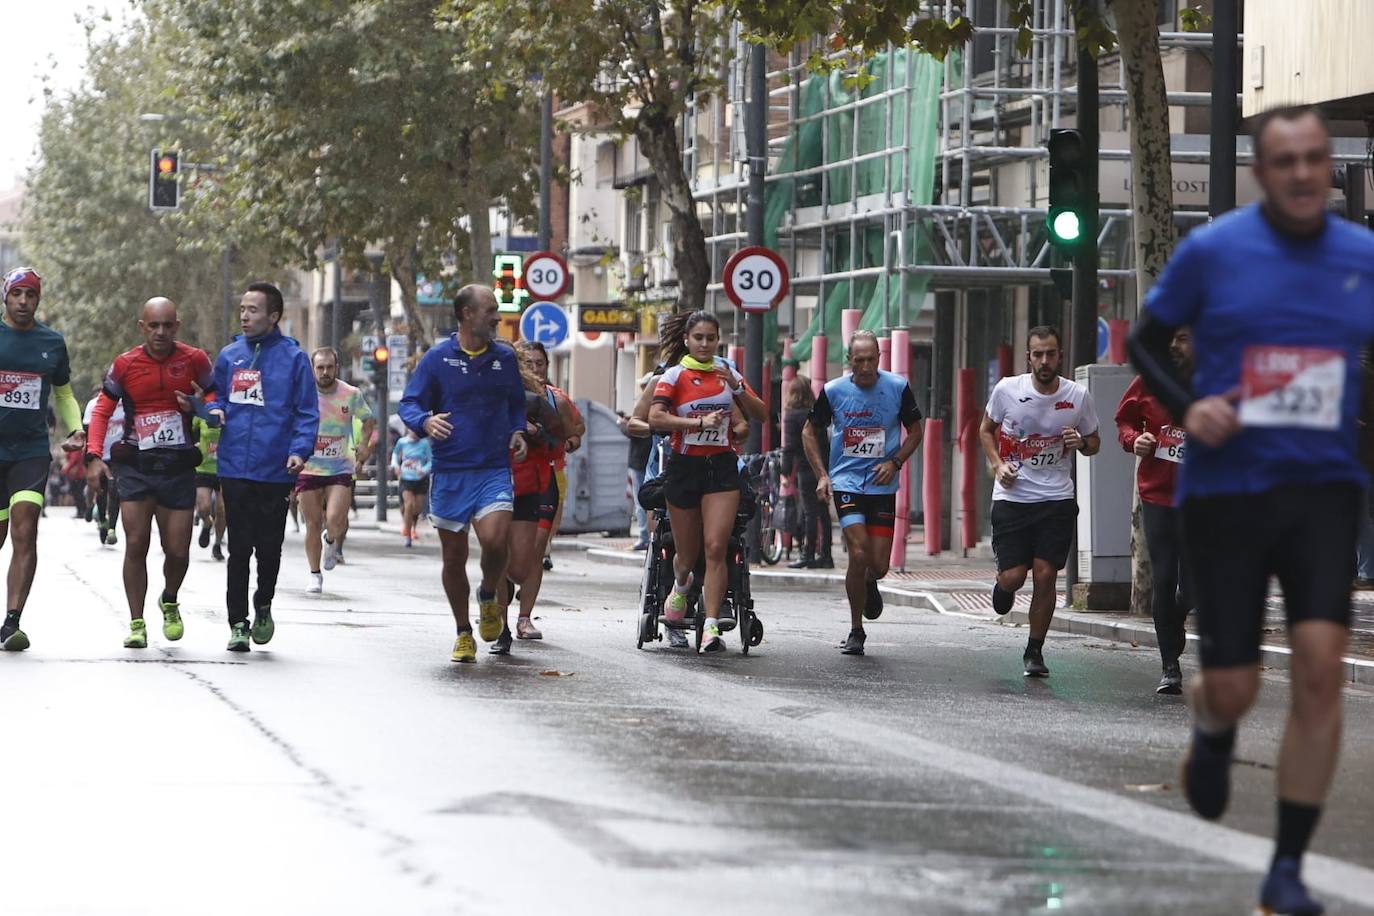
(164, 192)
(380, 356)
(1072, 198)
(508, 280)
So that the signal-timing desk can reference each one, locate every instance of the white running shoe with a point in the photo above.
(316, 584)
(331, 554)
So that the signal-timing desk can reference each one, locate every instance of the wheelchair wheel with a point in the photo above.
(648, 629)
(755, 631)
(770, 544)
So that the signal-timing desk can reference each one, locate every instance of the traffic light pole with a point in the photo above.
(1083, 349)
(756, 138)
(374, 295)
(545, 171)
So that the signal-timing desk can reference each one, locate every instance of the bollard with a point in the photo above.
(931, 492)
(818, 364)
(899, 346)
(967, 412)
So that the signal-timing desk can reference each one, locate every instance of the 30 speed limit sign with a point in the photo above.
(755, 279)
(546, 275)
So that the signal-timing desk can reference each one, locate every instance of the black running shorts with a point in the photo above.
(687, 478)
(1302, 534)
(1025, 532)
(171, 489)
(28, 476)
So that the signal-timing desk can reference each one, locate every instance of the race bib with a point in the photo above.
(710, 436)
(212, 449)
(245, 387)
(1173, 442)
(865, 442)
(21, 390)
(1036, 451)
(411, 466)
(330, 446)
(1295, 387)
(162, 429)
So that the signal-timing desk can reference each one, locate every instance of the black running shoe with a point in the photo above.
(204, 539)
(854, 643)
(1284, 892)
(548, 563)
(1171, 683)
(12, 639)
(1207, 775)
(1002, 600)
(217, 552)
(1034, 663)
(873, 604)
(502, 644)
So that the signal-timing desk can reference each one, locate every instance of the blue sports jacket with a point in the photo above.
(483, 396)
(270, 415)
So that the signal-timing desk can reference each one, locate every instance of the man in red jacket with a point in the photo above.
(1145, 428)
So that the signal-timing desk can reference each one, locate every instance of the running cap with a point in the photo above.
(23, 278)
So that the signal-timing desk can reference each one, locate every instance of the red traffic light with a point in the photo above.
(380, 355)
(166, 165)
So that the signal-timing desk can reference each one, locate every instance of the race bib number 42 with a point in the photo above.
(865, 441)
(162, 429)
(246, 387)
(21, 390)
(1298, 387)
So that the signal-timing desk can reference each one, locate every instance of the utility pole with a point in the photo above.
(336, 315)
(545, 171)
(376, 300)
(1083, 348)
(756, 138)
(1221, 161)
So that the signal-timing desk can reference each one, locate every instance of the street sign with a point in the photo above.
(546, 275)
(545, 323)
(1104, 337)
(755, 279)
(369, 345)
(396, 374)
(606, 318)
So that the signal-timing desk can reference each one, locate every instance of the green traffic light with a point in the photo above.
(1066, 226)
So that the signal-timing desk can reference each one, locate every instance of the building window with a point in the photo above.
(633, 233)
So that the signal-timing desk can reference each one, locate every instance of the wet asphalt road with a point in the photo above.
(349, 767)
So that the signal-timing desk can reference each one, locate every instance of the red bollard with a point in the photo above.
(818, 364)
(1117, 331)
(932, 489)
(899, 346)
(967, 412)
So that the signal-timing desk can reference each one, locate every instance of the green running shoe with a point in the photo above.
(263, 627)
(172, 627)
(238, 639)
(138, 634)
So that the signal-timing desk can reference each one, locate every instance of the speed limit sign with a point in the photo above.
(755, 279)
(546, 275)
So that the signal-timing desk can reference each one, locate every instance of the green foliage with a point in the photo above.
(1195, 19)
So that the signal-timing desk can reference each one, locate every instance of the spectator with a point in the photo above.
(815, 530)
(640, 446)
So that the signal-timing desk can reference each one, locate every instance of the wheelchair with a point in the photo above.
(737, 610)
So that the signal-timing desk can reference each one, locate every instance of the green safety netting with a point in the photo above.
(913, 119)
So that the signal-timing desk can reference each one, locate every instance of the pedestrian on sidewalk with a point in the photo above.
(1145, 429)
(1034, 422)
(640, 447)
(1280, 298)
(814, 530)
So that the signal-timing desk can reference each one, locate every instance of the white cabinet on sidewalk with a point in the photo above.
(1106, 483)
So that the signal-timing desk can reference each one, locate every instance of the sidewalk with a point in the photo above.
(950, 584)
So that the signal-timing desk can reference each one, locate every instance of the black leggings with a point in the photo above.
(255, 518)
(815, 524)
(1170, 601)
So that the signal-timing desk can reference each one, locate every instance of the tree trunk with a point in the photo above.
(401, 255)
(478, 206)
(1137, 29)
(658, 139)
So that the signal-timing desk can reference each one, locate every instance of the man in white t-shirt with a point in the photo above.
(1033, 424)
(103, 502)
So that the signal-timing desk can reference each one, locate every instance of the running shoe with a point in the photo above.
(238, 637)
(675, 608)
(102, 531)
(111, 537)
(502, 644)
(525, 629)
(316, 585)
(331, 554)
(489, 622)
(710, 638)
(339, 557)
(408, 540)
(1002, 600)
(138, 634)
(548, 563)
(1284, 894)
(172, 627)
(465, 648)
(217, 552)
(854, 643)
(263, 627)
(873, 604)
(1034, 663)
(1172, 681)
(11, 637)
(677, 639)
(1207, 774)
(204, 539)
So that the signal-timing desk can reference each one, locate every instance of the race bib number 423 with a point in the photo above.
(246, 387)
(21, 390)
(1299, 387)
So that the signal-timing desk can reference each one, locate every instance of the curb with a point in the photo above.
(1356, 670)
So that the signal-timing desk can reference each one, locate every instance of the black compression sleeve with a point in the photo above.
(1149, 347)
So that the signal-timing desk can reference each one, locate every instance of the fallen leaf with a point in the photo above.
(1148, 787)
(1135, 644)
(553, 673)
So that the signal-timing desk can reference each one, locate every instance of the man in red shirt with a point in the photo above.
(155, 463)
(1145, 428)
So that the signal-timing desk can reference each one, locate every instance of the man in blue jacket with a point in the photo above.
(467, 397)
(270, 413)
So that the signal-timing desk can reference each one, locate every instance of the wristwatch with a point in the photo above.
(897, 461)
(738, 389)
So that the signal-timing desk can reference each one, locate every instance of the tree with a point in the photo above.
(639, 63)
(86, 220)
(355, 122)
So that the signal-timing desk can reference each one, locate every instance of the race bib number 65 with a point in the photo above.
(1298, 387)
(246, 387)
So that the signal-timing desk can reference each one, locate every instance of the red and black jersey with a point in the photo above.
(694, 394)
(148, 388)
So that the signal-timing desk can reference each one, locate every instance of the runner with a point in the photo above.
(866, 412)
(325, 487)
(695, 400)
(411, 462)
(539, 362)
(1279, 296)
(1144, 428)
(1033, 422)
(270, 414)
(33, 366)
(155, 462)
(209, 502)
(104, 502)
(470, 383)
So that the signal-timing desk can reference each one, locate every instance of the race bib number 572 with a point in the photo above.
(1300, 387)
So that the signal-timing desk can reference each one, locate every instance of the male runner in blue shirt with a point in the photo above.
(1280, 299)
(865, 412)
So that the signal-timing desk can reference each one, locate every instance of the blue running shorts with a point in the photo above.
(458, 498)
